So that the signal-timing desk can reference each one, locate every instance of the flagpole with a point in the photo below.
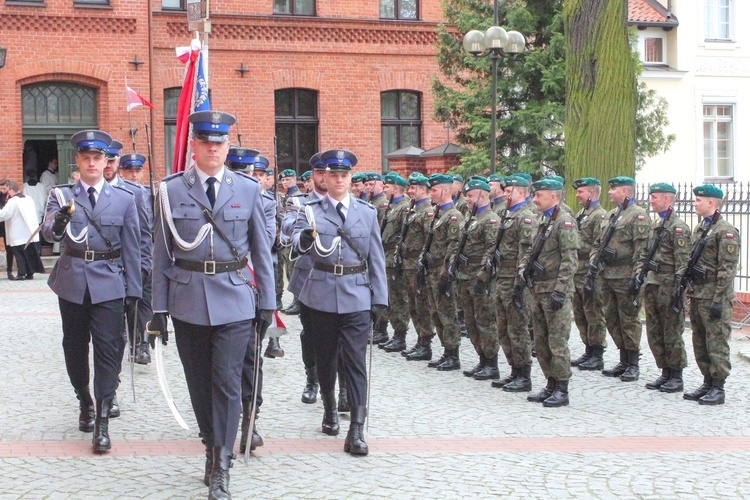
(132, 131)
(188, 151)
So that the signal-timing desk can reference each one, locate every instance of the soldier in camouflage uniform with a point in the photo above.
(357, 187)
(563, 206)
(439, 287)
(512, 324)
(712, 295)
(497, 193)
(459, 201)
(588, 309)
(619, 260)
(552, 290)
(664, 327)
(398, 310)
(418, 221)
(290, 200)
(472, 292)
(373, 184)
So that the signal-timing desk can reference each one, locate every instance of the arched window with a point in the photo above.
(296, 113)
(57, 103)
(400, 121)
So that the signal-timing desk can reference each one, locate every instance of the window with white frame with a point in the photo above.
(652, 47)
(718, 140)
(718, 19)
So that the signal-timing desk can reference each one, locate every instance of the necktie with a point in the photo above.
(210, 191)
(92, 197)
(340, 210)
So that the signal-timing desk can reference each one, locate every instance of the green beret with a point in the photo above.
(547, 184)
(586, 182)
(436, 179)
(661, 187)
(524, 175)
(417, 179)
(358, 177)
(517, 180)
(394, 178)
(621, 181)
(269, 171)
(709, 191)
(306, 175)
(472, 184)
(477, 177)
(373, 176)
(457, 178)
(287, 173)
(555, 178)
(496, 178)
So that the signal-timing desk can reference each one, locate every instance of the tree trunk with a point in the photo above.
(601, 92)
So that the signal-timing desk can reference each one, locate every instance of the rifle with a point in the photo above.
(491, 264)
(596, 265)
(277, 196)
(693, 270)
(384, 221)
(459, 259)
(425, 258)
(398, 258)
(640, 278)
(526, 277)
(583, 215)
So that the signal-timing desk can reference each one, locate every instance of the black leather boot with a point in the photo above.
(423, 351)
(330, 417)
(101, 440)
(86, 410)
(715, 396)
(310, 394)
(656, 384)
(586, 355)
(507, 379)
(114, 408)
(595, 361)
(674, 384)
(542, 395)
(245, 426)
(293, 308)
(700, 391)
(406, 352)
(343, 405)
(273, 349)
(489, 371)
(632, 372)
(380, 335)
(451, 361)
(355, 438)
(471, 371)
(142, 354)
(522, 383)
(620, 367)
(559, 396)
(218, 487)
(208, 444)
(397, 343)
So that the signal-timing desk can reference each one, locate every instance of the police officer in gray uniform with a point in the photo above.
(345, 291)
(208, 221)
(99, 267)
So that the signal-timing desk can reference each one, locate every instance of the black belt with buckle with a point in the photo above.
(210, 266)
(90, 255)
(339, 270)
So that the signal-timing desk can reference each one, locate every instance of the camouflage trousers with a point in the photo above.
(512, 324)
(711, 337)
(588, 313)
(621, 315)
(419, 310)
(664, 328)
(443, 312)
(283, 269)
(397, 312)
(480, 318)
(552, 332)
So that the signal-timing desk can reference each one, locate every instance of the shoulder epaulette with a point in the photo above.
(64, 186)
(315, 201)
(365, 203)
(131, 183)
(122, 189)
(246, 176)
(268, 195)
(173, 176)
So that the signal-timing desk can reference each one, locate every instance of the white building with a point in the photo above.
(697, 56)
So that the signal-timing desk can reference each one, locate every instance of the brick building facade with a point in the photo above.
(345, 76)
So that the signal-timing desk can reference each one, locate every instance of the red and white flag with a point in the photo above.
(277, 327)
(135, 99)
(189, 57)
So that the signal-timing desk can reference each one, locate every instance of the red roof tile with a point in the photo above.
(648, 11)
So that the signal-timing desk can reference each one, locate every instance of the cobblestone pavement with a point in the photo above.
(431, 434)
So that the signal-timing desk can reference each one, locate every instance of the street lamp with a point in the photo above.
(495, 42)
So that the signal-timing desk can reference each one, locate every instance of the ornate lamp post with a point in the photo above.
(495, 42)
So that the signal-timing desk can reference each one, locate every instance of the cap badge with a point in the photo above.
(215, 117)
(90, 135)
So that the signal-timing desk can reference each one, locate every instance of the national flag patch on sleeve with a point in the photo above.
(568, 224)
(454, 218)
(493, 221)
(527, 221)
(678, 230)
(730, 236)
(430, 214)
(641, 217)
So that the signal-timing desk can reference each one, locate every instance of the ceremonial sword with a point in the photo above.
(162, 377)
